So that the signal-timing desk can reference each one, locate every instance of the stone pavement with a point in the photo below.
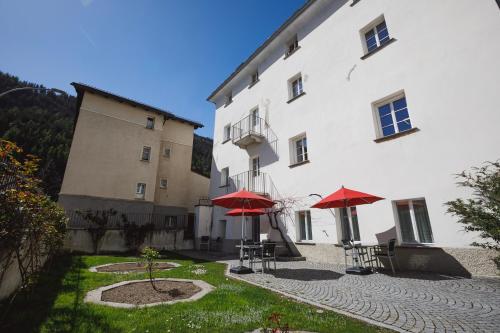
(413, 302)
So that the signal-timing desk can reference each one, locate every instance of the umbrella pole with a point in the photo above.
(242, 235)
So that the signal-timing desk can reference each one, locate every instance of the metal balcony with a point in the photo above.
(249, 130)
(253, 181)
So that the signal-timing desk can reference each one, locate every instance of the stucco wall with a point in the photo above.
(451, 88)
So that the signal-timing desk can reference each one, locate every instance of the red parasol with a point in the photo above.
(246, 212)
(346, 198)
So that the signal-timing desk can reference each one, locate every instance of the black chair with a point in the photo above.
(347, 245)
(389, 253)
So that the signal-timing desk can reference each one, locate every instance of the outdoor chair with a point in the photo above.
(268, 255)
(205, 242)
(347, 245)
(388, 252)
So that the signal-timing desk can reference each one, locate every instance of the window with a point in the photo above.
(150, 124)
(163, 183)
(305, 228)
(296, 87)
(146, 153)
(140, 191)
(224, 177)
(166, 152)
(298, 150)
(227, 133)
(255, 78)
(346, 218)
(229, 98)
(376, 36)
(292, 46)
(222, 228)
(414, 223)
(393, 117)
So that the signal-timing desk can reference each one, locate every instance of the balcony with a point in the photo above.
(249, 130)
(253, 181)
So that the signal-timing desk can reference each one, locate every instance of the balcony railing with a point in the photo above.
(249, 130)
(253, 181)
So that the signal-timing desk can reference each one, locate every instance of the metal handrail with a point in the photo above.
(251, 124)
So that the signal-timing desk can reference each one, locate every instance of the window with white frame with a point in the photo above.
(224, 177)
(166, 152)
(392, 116)
(150, 123)
(227, 133)
(376, 35)
(298, 149)
(295, 87)
(146, 153)
(413, 220)
(140, 190)
(305, 227)
(163, 183)
(229, 98)
(292, 46)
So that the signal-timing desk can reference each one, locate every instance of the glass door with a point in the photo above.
(255, 121)
(255, 174)
(349, 223)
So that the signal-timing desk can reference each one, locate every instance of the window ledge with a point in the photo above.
(305, 243)
(392, 40)
(150, 128)
(142, 160)
(223, 142)
(397, 135)
(288, 55)
(298, 164)
(253, 84)
(296, 97)
(222, 186)
(418, 246)
(354, 2)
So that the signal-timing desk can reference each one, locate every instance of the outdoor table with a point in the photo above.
(252, 247)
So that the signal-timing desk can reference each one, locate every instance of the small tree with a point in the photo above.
(150, 256)
(482, 212)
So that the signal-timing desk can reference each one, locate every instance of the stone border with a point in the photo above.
(316, 304)
(95, 296)
(93, 269)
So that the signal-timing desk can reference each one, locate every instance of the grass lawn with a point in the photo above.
(234, 306)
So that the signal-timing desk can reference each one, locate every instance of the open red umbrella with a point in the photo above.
(246, 212)
(243, 200)
(344, 198)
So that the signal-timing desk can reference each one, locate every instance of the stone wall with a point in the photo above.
(465, 262)
(79, 240)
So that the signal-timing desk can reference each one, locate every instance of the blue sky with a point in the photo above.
(170, 54)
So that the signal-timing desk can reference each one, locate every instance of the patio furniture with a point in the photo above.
(346, 244)
(388, 252)
(205, 242)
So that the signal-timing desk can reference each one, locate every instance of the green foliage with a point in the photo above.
(41, 123)
(32, 226)
(150, 255)
(98, 222)
(202, 155)
(481, 213)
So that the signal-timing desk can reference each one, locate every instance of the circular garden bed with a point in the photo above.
(140, 293)
(131, 267)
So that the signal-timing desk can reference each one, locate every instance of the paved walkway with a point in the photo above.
(408, 302)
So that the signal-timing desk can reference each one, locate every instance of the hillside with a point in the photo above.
(42, 124)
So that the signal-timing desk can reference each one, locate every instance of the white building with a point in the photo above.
(387, 97)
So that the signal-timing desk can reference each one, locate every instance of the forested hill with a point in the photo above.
(42, 124)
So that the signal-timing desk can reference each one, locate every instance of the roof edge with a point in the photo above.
(84, 87)
(268, 41)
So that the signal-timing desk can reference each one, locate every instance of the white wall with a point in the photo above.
(445, 59)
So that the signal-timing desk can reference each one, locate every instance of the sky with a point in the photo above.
(167, 53)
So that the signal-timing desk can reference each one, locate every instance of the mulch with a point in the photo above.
(143, 293)
(132, 267)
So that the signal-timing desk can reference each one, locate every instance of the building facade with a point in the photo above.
(131, 157)
(392, 98)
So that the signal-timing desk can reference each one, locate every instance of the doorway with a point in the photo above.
(256, 228)
(254, 183)
(349, 223)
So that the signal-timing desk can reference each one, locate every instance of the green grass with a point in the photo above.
(57, 304)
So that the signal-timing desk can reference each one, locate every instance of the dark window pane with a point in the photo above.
(371, 42)
(402, 115)
(404, 125)
(422, 220)
(386, 120)
(399, 104)
(383, 33)
(389, 130)
(309, 226)
(355, 225)
(384, 110)
(302, 224)
(346, 230)
(405, 222)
